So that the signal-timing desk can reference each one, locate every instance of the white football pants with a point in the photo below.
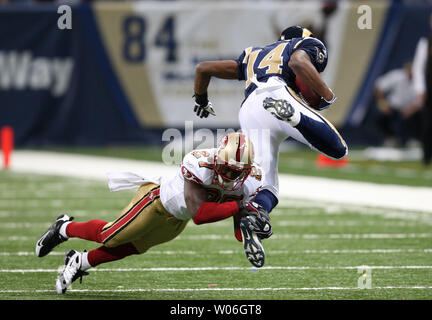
(267, 132)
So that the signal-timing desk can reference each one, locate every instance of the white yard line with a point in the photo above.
(317, 236)
(187, 269)
(347, 236)
(292, 186)
(228, 252)
(224, 224)
(220, 289)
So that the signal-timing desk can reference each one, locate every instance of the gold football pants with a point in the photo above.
(144, 222)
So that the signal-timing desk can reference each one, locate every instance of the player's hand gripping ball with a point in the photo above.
(310, 96)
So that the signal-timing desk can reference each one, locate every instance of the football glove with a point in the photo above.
(257, 219)
(324, 104)
(203, 107)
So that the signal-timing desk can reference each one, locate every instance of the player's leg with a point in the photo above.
(141, 217)
(152, 226)
(266, 134)
(63, 228)
(99, 230)
(305, 124)
(166, 227)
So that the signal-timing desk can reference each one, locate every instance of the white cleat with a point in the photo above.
(71, 271)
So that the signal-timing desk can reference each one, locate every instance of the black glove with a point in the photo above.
(203, 107)
(257, 219)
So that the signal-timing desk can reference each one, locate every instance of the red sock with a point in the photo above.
(104, 254)
(90, 230)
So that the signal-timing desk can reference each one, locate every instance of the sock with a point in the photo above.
(84, 263)
(90, 230)
(295, 118)
(104, 254)
(266, 199)
(63, 230)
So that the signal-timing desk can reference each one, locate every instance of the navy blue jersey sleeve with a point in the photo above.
(242, 64)
(316, 51)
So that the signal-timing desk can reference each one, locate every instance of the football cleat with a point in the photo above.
(280, 108)
(52, 237)
(252, 244)
(71, 271)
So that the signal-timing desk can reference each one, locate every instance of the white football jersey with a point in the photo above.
(197, 166)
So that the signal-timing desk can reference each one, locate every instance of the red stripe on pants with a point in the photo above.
(131, 214)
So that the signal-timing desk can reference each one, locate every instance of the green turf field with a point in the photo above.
(315, 252)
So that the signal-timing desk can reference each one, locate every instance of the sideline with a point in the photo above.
(291, 186)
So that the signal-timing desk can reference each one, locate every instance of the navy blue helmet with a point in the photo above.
(295, 32)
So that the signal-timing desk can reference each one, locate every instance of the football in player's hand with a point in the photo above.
(310, 96)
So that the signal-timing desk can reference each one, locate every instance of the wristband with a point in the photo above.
(201, 99)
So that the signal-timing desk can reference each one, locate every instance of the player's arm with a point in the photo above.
(300, 63)
(204, 211)
(225, 69)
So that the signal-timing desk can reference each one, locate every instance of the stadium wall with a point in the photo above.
(124, 72)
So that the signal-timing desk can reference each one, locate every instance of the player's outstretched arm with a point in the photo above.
(194, 195)
(303, 68)
(203, 211)
(225, 69)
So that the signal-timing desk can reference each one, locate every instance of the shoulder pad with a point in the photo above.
(197, 166)
(253, 183)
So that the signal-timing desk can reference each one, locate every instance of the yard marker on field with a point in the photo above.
(6, 138)
(323, 161)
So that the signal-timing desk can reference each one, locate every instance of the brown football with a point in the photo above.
(310, 96)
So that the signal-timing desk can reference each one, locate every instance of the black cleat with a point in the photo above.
(281, 109)
(252, 245)
(52, 238)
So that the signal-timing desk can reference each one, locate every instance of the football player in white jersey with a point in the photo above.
(273, 109)
(210, 185)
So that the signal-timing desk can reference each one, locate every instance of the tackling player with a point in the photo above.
(211, 185)
(272, 100)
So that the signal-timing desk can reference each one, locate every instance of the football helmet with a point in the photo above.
(295, 32)
(233, 161)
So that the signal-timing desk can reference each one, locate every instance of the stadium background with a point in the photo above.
(125, 69)
(99, 96)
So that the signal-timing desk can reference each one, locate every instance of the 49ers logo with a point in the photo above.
(190, 176)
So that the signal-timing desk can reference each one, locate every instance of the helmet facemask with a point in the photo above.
(230, 177)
